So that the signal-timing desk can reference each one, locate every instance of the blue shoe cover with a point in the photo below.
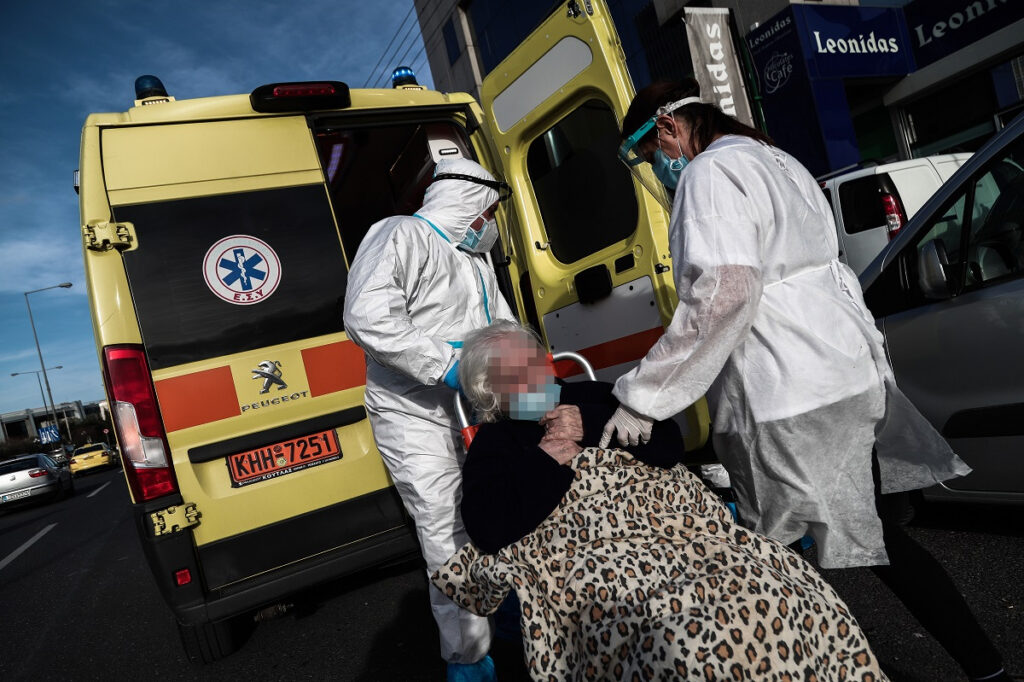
(481, 671)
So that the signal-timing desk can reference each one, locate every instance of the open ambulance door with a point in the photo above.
(587, 245)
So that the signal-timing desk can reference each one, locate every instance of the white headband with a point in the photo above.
(672, 106)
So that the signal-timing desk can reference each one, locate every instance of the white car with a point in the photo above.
(871, 204)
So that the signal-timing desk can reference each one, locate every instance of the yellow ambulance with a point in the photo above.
(217, 234)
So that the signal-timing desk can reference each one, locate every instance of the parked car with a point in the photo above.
(33, 477)
(872, 204)
(948, 295)
(91, 456)
(60, 455)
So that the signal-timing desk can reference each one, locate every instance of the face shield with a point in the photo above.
(631, 155)
(639, 165)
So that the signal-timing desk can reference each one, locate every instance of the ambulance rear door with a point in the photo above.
(589, 246)
(237, 278)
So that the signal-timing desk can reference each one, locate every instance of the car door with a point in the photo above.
(588, 246)
(957, 355)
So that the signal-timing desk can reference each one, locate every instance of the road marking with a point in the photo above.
(98, 489)
(16, 553)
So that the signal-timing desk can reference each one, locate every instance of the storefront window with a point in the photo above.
(958, 118)
(585, 194)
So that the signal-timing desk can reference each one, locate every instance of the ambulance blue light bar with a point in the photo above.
(149, 86)
(403, 75)
(300, 96)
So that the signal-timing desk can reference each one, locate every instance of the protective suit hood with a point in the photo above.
(452, 205)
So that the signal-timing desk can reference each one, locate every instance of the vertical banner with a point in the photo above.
(715, 63)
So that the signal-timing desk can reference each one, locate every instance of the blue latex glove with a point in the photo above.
(451, 378)
(481, 671)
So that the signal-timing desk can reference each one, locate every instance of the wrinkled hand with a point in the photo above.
(563, 422)
(562, 450)
(632, 428)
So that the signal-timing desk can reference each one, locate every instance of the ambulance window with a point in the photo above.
(585, 194)
(376, 172)
(229, 273)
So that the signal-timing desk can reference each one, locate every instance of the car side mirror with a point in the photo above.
(932, 264)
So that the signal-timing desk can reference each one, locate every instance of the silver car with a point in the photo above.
(28, 478)
(948, 294)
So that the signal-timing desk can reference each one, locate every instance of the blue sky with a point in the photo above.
(60, 61)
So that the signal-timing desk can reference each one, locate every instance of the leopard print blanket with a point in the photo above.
(641, 574)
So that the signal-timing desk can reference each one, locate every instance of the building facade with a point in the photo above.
(884, 79)
(27, 423)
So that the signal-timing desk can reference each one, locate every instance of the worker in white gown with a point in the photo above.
(416, 287)
(773, 328)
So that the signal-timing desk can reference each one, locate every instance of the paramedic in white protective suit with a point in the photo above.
(417, 286)
(774, 329)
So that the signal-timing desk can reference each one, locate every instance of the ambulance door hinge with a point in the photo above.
(106, 236)
(175, 519)
(573, 9)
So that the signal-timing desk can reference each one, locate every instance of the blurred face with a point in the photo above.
(519, 365)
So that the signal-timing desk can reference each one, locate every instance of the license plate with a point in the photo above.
(286, 457)
(16, 496)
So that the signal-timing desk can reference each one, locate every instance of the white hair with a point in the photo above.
(478, 348)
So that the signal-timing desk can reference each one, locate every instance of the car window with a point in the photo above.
(995, 248)
(861, 202)
(16, 466)
(948, 229)
(586, 196)
(980, 232)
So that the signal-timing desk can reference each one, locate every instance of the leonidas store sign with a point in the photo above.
(847, 41)
(940, 27)
(802, 57)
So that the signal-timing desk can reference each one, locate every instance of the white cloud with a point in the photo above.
(18, 355)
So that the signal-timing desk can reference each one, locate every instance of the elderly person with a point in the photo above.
(519, 466)
(626, 567)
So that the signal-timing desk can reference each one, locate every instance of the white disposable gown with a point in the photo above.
(774, 329)
(412, 294)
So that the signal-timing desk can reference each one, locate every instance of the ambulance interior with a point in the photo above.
(378, 171)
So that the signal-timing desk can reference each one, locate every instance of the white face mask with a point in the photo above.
(483, 240)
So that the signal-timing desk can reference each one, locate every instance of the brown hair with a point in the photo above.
(706, 121)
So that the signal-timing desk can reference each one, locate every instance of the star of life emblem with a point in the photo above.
(270, 372)
(242, 270)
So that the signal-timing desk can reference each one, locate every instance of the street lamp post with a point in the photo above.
(39, 350)
(37, 372)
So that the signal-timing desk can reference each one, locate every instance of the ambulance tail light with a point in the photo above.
(137, 420)
(895, 217)
(300, 96)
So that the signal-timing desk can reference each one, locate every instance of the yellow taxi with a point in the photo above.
(91, 456)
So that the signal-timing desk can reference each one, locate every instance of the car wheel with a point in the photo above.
(210, 642)
(70, 490)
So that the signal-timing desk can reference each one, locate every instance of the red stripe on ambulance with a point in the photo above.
(197, 398)
(614, 352)
(334, 367)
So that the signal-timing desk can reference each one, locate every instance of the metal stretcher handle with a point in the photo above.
(460, 408)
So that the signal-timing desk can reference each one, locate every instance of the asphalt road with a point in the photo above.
(77, 602)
